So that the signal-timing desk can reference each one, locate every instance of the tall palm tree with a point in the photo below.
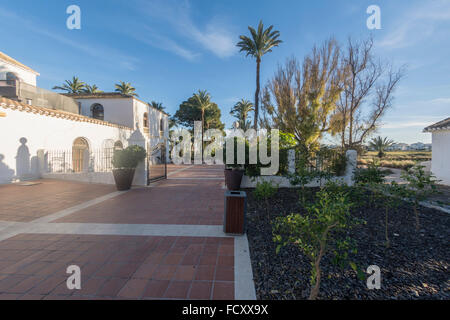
(380, 145)
(202, 102)
(261, 42)
(91, 89)
(73, 86)
(240, 111)
(126, 88)
(157, 105)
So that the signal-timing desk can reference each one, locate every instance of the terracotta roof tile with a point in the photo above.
(15, 105)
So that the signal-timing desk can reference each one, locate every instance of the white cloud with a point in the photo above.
(215, 36)
(154, 39)
(102, 53)
(416, 24)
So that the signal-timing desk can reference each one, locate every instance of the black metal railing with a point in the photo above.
(79, 160)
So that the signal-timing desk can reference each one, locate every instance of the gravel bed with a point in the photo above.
(416, 266)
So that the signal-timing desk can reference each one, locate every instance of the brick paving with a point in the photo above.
(24, 203)
(133, 267)
(194, 202)
(33, 266)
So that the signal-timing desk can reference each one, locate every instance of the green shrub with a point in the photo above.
(129, 157)
(315, 234)
(264, 191)
(372, 174)
(339, 164)
(420, 186)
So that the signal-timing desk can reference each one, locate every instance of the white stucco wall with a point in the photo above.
(440, 164)
(116, 110)
(25, 75)
(48, 133)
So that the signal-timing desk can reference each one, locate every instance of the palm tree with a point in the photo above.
(126, 88)
(157, 105)
(240, 111)
(91, 89)
(74, 87)
(201, 101)
(380, 145)
(261, 42)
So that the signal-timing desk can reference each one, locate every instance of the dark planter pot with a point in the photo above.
(123, 178)
(233, 178)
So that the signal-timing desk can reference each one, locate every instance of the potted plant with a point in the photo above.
(125, 162)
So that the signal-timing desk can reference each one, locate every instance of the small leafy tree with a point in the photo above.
(302, 176)
(264, 191)
(372, 174)
(394, 195)
(315, 233)
(421, 185)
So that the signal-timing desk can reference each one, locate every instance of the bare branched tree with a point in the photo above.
(368, 91)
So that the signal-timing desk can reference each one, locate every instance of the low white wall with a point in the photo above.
(440, 164)
(89, 177)
(23, 134)
(283, 182)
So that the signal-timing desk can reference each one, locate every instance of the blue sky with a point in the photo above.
(169, 49)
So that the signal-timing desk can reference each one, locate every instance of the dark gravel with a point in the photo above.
(416, 266)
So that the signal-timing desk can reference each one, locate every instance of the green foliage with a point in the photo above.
(264, 191)
(190, 111)
(74, 86)
(240, 111)
(128, 158)
(126, 88)
(380, 145)
(315, 233)
(371, 175)
(339, 164)
(421, 185)
(394, 193)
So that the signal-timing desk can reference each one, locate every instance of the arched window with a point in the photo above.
(97, 111)
(146, 124)
(161, 124)
(11, 78)
(80, 155)
(118, 145)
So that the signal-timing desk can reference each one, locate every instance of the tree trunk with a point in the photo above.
(315, 290)
(386, 228)
(258, 65)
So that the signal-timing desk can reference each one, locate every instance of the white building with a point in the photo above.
(70, 137)
(440, 163)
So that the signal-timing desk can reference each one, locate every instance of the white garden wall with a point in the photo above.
(18, 156)
(284, 182)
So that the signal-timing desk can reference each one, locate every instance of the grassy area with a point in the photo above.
(396, 159)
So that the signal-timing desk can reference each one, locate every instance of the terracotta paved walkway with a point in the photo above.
(127, 261)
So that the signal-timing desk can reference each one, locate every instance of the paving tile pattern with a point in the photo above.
(25, 203)
(33, 266)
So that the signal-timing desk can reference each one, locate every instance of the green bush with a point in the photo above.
(264, 191)
(372, 174)
(128, 158)
(315, 234)
(421, 185)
